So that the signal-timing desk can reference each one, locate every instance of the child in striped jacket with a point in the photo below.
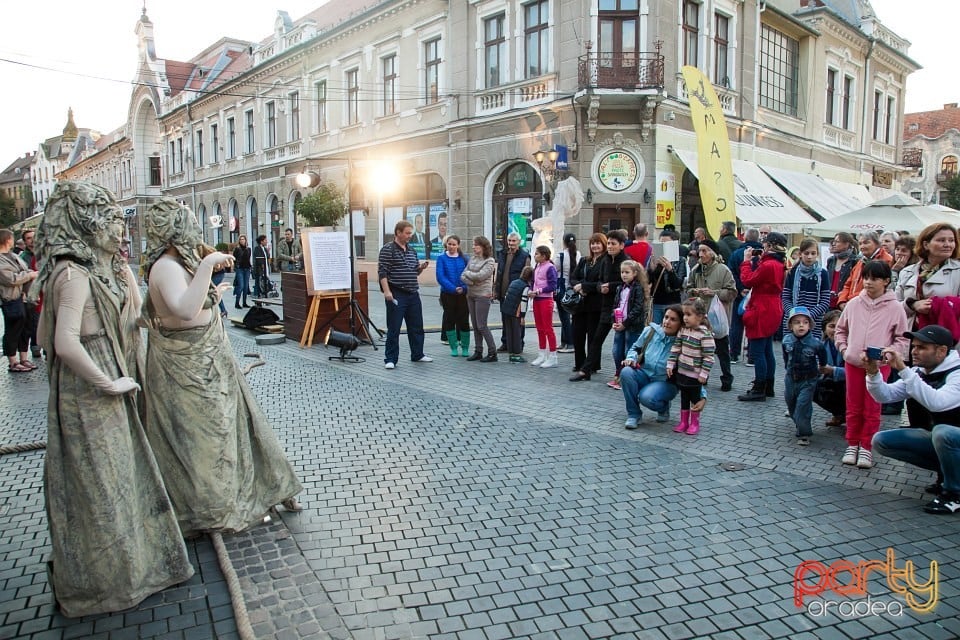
(689, 363)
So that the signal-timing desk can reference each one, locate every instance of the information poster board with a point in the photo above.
(326, 256)
(439, 227)
(519, 217)
(416, 215)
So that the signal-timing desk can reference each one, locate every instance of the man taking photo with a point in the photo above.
(932, 392)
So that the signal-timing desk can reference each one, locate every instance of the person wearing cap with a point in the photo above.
(763, 272)
(566, 261)
(711, 277)
(931, 389)
(800, 350)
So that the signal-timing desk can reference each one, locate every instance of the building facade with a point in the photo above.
(56, 154)
(15, 185)
(457, 99)
(932, 148)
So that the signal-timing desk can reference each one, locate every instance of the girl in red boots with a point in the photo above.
(689, 363)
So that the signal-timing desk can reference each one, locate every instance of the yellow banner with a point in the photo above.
(713, 149)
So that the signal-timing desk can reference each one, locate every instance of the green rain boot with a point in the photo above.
(464, 344)
(452, 340)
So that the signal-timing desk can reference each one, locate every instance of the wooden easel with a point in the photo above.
(306, 340)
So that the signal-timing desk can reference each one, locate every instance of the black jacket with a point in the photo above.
(243, 257)
(503, 280)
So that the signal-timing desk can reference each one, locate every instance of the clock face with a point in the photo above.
(617, 171)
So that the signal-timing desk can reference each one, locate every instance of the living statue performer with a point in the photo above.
(221, 462)
(113, 530)
(567, 200)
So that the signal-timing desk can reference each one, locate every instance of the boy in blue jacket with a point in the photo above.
(802, 350)
(513, 309)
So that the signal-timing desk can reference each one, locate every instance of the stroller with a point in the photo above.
(265, 285)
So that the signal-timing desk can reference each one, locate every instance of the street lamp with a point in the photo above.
(547, 161)
(307, 179)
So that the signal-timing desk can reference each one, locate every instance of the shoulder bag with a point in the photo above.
(640, 357)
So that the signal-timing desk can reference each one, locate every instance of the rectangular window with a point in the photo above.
(779, 71)
(215, 143)
(294, 108)
(831, 95)
(495, 51)
(154, 171)
(249, 126)
(231, 138)
(389, 65)
(271, 131)
(888, 129)
(877, 104)
(721, 47)
(431, 73)
(320, 93)
(199, 150)
(353, 96)
(691, 32)
(180, 155)
(172, 160)
(535, 17)
(917, 195)
(848, 102)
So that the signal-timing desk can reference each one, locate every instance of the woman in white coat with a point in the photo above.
(924, 286)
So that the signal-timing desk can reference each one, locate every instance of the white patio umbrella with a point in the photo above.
(890, 214)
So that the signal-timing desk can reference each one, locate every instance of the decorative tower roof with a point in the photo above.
(70, 131)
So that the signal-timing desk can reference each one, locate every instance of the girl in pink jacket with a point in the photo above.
(874, 318)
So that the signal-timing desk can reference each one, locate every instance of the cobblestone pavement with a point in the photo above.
(463, 500)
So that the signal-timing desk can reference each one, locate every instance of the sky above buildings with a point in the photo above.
(62, 53)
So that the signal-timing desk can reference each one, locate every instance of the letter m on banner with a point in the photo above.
(713, 150)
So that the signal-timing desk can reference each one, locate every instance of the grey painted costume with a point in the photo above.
(220, 460)
(113, 532)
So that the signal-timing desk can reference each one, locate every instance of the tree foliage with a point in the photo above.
(325, 207)
(953, 193)
(8, 211)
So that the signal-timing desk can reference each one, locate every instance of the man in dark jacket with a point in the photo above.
(751, 241)
(728, 242)
(510, 262)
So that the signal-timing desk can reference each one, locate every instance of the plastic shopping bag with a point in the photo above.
(718, 318)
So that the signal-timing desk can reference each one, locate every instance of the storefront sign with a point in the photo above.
(666, 199)
(617, 171)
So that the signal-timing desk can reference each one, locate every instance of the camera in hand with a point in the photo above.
(757, 252)
(874, 353)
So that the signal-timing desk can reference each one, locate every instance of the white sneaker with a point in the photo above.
(424, 359)
(389, 365)
(550, 361)
(864, 459)
(540, 358)
(850, 455)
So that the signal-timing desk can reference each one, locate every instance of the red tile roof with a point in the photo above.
(931, 124)
(177, 75)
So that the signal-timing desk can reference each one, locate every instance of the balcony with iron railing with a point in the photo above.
(912, 158)
(629, 71)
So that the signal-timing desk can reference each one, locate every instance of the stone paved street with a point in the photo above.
(463, 500)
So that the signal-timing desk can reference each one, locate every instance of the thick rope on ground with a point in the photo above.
(20, 448)
(244, 628)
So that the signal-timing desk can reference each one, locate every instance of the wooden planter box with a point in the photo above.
(296, 306)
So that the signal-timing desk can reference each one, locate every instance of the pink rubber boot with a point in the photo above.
(684, 421)
(694, 427)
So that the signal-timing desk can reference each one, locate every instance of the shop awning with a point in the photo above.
(856, 191)
(758, 199)
(818, 195)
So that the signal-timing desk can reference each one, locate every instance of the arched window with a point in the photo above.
(517, 201)
(948, 166)
(234, 223)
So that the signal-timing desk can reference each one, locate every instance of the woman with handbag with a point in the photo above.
(566, 261)
(643, 378)
(14, 273)
(586, 281)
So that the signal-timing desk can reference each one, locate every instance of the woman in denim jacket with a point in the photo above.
(647, 385)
